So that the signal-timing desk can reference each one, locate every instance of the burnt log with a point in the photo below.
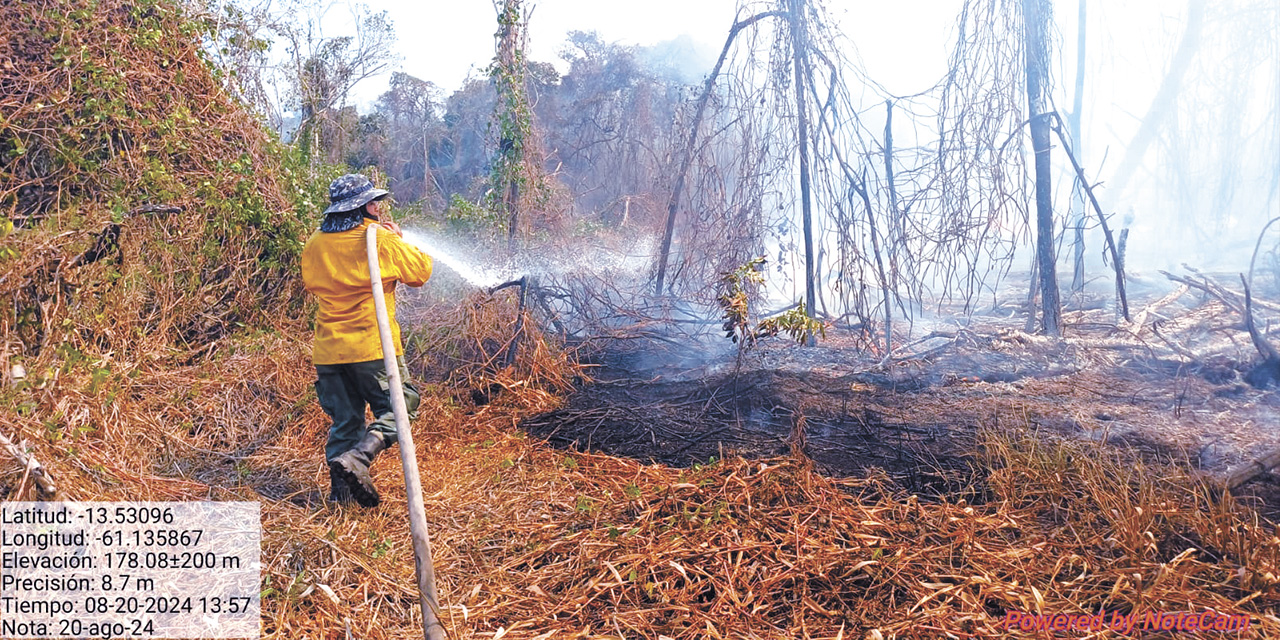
(1268, 371)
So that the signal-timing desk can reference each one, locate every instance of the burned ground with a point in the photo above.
(533, 540)
(918, 421)
(756, 414)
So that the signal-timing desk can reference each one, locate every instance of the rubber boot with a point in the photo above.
(353, 466)
(339, 490)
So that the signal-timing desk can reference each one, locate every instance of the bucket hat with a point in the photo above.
(351, 192)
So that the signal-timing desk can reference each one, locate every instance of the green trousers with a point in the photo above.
(345, 389)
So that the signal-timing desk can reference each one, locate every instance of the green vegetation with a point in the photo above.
(145, 210)
(738, 288)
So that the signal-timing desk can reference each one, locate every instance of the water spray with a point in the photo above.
(579, 259)
(475, 276)
(485, 279)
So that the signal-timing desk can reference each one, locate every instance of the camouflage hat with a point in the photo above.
(351, 192)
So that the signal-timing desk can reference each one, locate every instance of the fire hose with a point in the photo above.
(432, 628)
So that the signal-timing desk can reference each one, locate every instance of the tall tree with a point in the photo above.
(323, 70)
(1036, 16)
(687, 153)
(608, 122)
(513, 117)
(410, 109)
(1073, 121)
(798, 45)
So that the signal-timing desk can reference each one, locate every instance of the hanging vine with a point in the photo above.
(514, 178)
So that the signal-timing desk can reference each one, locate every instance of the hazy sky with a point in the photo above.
(902, 44)
(443, 41)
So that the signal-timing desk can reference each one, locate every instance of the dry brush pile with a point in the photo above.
(145, 216)
(145, 212)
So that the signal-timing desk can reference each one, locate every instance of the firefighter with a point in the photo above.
(348, 352)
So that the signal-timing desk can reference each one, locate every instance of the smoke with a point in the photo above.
(683, 59)
(1181, 128)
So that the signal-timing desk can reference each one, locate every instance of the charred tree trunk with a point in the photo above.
(895, 216)
(1077, 106)
(861, 188)
(802, 125)
(1116, 260)
(1035, 15)
(1122, 306)
(1033, 292)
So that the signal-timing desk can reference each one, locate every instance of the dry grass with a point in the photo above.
(466, 343)
(535, 542)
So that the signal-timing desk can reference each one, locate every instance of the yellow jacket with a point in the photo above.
(335, 267)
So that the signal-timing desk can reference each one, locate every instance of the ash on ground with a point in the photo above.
(1175, 393)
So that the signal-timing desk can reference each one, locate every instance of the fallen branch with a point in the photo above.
(45, 488)
(1239, 295)
(1117, 260)
(154, 209)
(1141, 318)
(951, 341)
(1177, 348)
(1253, 468)
(1210, 287)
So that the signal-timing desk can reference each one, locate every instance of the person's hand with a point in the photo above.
(393, 228)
